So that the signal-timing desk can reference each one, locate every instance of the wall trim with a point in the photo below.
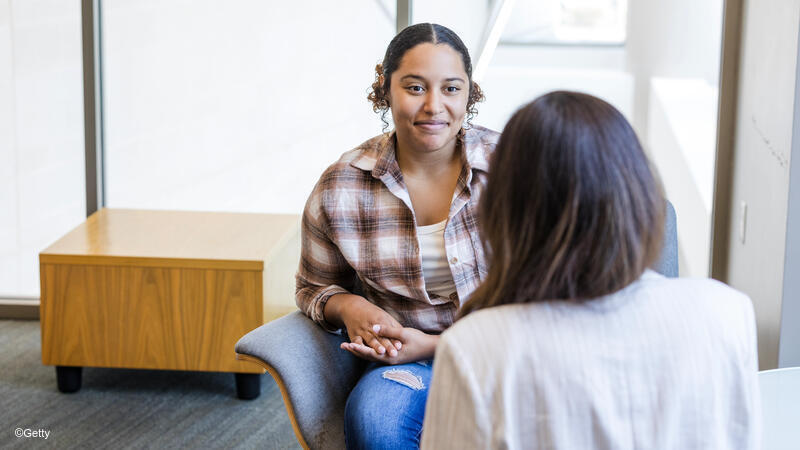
(93, 105)
(19, 308)
(726, 134)
(404, 16)
(789, 337)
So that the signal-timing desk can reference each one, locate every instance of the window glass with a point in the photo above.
(567, 22)
(42, 183)
(235, 106)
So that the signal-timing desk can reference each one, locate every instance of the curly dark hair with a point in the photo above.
(406, 40)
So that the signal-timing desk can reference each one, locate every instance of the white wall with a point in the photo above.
(42, 187)
(762, 144)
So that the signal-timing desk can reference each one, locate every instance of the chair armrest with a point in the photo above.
(315, 376)
(667, 263)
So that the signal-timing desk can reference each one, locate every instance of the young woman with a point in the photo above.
(390, 244)
(571, 342)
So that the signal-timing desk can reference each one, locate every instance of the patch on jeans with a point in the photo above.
(405, 378)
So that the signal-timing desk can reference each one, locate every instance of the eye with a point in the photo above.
(452, 89)
(415, 88)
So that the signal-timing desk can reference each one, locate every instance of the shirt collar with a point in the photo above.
(380, 158)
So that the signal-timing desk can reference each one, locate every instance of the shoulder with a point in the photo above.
(708, 300)
(353, 170)
(356, 162)
(350, 173)
(694, 289)
(480, 143)
(486, 332)
(483, 135)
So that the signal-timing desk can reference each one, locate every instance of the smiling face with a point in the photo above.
(428, 96)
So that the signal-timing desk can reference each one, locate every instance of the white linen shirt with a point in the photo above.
(663, 363)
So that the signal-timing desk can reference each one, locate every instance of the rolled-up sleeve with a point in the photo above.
(323, 271)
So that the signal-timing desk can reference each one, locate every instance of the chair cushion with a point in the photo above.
(317, 374)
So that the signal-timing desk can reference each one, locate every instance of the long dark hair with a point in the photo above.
(572, 209)
(407, 39)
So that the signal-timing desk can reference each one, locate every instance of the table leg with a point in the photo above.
(248, 385)
(68, 378)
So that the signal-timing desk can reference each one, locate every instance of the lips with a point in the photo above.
(431, 125)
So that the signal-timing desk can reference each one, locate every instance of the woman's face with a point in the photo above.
(428, 96)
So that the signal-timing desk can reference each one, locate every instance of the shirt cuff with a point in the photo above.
(319, 306)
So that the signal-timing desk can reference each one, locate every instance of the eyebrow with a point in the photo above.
(417, 77)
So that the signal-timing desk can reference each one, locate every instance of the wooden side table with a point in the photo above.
(165, 290)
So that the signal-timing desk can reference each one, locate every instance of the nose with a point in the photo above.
(433, 102)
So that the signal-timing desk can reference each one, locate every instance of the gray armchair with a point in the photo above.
(315, 376)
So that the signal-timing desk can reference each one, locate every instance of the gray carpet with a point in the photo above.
(130, 408)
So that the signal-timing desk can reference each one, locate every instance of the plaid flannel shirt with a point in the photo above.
(359, 233)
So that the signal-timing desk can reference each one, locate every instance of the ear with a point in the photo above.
(381, 81)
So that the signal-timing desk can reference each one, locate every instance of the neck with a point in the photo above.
(417, 163)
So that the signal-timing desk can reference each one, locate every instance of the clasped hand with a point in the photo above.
(377, 336)
(410, 345)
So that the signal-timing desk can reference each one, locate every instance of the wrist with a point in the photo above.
(431, 346)
(336, 308)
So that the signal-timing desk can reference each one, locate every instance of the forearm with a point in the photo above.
(336, 306)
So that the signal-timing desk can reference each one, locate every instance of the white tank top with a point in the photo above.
(435, 269)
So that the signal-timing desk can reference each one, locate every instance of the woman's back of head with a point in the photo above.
(572, 209)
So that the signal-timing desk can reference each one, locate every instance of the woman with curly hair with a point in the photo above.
(572, 342)
(390, 247)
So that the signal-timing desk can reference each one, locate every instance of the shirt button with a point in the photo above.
(453, 260)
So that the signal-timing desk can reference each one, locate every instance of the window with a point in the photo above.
(42, 184)
(573, 22)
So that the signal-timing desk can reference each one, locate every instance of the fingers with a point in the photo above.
(389, 332)
(350, 347)
(381, 345)
(379, 349)
(378, 344)
(364, 352)
(394, 333)
(389, 343)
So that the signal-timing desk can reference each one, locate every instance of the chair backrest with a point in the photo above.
(780, 407)
(667, 264)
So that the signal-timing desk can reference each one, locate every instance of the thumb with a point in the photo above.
(388, 331)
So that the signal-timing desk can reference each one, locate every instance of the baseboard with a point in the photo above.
(16, 308)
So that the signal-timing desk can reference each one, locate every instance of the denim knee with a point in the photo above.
(386, 408)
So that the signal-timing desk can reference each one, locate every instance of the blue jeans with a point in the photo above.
(387, 407)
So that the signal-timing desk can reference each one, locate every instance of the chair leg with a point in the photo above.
(68, 378)
(248, 385)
